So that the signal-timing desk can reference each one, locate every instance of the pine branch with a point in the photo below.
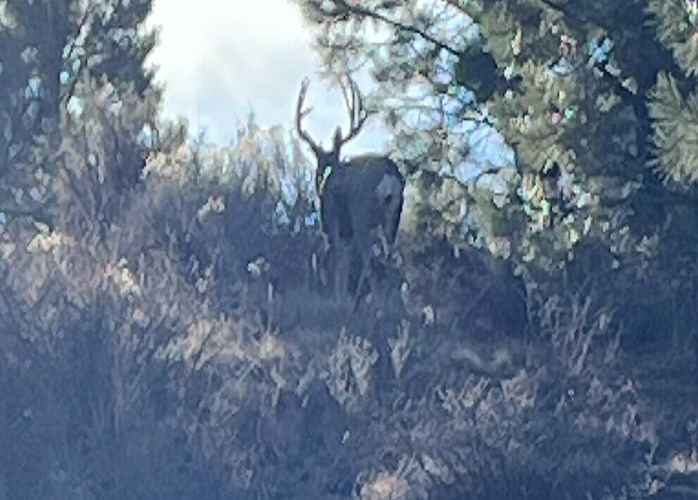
(342, 8)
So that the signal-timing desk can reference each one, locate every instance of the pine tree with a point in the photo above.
(596, 101)
(570, 87)
(45, 49)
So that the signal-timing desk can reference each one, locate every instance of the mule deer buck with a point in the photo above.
(360, 198)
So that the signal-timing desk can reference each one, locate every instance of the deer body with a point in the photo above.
(360, 206)
(360, 200)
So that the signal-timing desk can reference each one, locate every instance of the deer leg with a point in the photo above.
(332, 270)
(364, 276)
(359, 288)
(379, 248)
(383, 243)
(341, 269)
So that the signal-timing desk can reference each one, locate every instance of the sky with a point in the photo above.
(221, 59)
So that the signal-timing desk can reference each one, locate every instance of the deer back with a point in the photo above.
(360, 195)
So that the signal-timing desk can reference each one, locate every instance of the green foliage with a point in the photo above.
(47, 49)
(565, 85)
(676, 30)
(675, 139)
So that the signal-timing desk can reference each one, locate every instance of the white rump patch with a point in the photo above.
(388, 186)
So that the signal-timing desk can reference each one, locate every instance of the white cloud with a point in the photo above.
(220, 59)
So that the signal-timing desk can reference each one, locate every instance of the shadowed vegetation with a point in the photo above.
(167, 329)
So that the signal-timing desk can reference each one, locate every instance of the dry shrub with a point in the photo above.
(171, 341)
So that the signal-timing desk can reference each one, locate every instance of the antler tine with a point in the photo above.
(345, 96)
(355, 108)
(361, 112)
(301, 113)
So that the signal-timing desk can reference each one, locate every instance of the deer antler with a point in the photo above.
(301, 113)
(355, 108)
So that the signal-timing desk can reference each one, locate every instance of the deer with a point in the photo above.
(361, 198)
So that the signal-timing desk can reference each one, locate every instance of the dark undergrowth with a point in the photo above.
(186, 357)
(174, 341)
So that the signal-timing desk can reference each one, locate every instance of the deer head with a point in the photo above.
(360, 198)
(328, 160)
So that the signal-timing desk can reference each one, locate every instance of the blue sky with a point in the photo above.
(221, 59)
